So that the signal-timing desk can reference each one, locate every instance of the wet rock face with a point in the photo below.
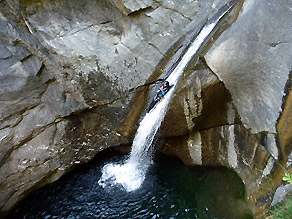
(68, 74)
(253, 134)
(253, 59)
(200, 102)
(235, 147)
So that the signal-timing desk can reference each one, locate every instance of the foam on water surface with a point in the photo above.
(131, 173)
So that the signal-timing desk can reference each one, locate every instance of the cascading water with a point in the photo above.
(131, 172)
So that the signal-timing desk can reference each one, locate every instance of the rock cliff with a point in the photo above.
(235, 110)
(75, 75)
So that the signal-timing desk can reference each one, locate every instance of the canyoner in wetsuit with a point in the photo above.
(160, 94)
(162, 91)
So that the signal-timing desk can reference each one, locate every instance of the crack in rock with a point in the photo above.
(155, 47)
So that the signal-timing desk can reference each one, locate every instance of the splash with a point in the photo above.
(131, 172)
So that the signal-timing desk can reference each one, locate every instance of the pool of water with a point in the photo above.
(170, 190)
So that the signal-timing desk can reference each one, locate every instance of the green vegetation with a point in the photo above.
(288, 177)
(283, 210)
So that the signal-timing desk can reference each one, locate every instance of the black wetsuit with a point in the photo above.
(161, 93)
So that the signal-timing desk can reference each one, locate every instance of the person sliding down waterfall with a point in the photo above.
(160, 94)
(163, 89)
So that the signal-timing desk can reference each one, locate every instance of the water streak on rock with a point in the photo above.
(131, 173)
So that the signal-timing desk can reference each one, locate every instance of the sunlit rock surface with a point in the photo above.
(253, 59)
(69, 73)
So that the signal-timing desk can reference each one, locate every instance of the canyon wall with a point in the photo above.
(75, 78)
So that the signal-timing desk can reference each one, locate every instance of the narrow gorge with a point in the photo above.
(76, 76)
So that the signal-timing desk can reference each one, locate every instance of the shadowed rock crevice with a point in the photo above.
(75, 77)
(132, 7)
(231, 146)
(287, 91)
(284, 120)
(141, 11)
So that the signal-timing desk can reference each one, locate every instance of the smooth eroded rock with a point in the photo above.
(253, 59)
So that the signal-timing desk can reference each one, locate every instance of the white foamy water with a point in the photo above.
(131, 173)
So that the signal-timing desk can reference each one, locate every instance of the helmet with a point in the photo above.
(166, 83)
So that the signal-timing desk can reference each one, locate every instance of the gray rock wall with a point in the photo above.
(68, 73)
(246, 125)
(253, 59)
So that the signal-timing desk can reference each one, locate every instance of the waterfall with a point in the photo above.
(131, 172)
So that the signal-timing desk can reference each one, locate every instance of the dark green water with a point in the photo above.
(170, 190)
